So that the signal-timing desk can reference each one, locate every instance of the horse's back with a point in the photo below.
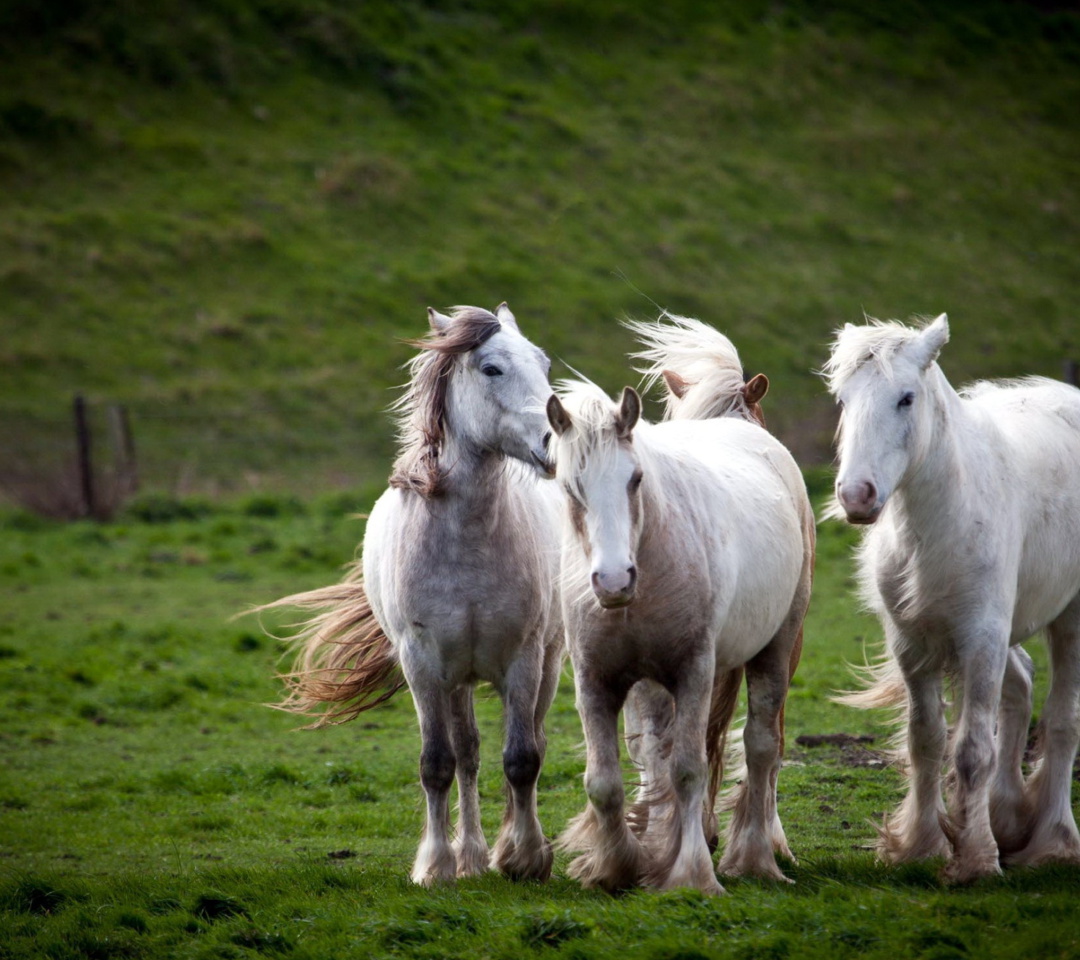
(753, 500)
(1040, 422)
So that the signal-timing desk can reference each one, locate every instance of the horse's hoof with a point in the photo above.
(958, 872)
(472, 858)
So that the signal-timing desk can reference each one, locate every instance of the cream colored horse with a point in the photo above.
(687, 551)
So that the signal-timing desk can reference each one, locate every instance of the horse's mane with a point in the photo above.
(421, 411)
(852, 347)
(700, 355)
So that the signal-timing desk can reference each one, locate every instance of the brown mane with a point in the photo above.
(421, 411)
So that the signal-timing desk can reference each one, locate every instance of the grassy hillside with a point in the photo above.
(226, 213)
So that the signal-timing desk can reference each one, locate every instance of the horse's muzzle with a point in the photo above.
(859, 500)
(613, 592)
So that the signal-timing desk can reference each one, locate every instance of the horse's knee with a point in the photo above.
(761, 744)
(437, 765)
(605, 793)
(521, 765)
(974, 761)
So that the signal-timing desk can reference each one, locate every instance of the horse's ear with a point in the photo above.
(676, 384)
(755, 388)
(629, 412)
(557, 416)
(930, 341)
(440, 322)
(502, 311)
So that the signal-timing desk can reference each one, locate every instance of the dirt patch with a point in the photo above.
(832, 739)
(853, 748)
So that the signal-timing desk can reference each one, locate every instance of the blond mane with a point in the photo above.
(700, 355)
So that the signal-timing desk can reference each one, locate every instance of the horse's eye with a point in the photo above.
(490, 370)
(906, 400)
(635, 481)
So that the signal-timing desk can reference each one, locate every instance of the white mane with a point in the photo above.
(592, 436)
(700, 355)
(878, 341)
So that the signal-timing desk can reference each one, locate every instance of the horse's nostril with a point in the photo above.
(631, 572)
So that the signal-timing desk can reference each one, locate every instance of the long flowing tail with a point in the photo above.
(700, 368)
(345, 663)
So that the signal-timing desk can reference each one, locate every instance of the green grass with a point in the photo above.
(151, 806)
(227, 213)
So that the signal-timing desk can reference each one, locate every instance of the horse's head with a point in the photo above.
(497, 390)
(600, 472)
(881, 377)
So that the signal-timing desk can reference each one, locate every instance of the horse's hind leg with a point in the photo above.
(755, 831)
(1055, 837)
(522, 851)
(435, 858)
(687, 862)
(470, 847)
(1009, 813)
(647, 717)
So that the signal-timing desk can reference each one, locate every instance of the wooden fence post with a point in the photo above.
(123, 446)
(84, 461)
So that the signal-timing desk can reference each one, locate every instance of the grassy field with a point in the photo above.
(151, 806)
(226, 213)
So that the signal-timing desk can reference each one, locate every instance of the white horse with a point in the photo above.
(458, 584)
(975, 546)
(703, 378)
(687, 552)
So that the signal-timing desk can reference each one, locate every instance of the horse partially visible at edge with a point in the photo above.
(687, 553)
(703, 378)
(974, 504)
(457, 584)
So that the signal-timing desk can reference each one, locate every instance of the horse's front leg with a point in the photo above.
(983, 659)
(1054, 835)
(755, 831)
(435, 859)
(1009, 813)
(611, 856)
(687, 862)
(470, 847)
(914, 831)
(522, 851)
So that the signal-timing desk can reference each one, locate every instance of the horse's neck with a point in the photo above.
(934, 492)
(474, 488)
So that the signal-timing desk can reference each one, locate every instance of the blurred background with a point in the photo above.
(220, 218)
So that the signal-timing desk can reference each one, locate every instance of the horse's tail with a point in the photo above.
(725, 697)
(882, 687)
(345, 663)
(700, 368)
